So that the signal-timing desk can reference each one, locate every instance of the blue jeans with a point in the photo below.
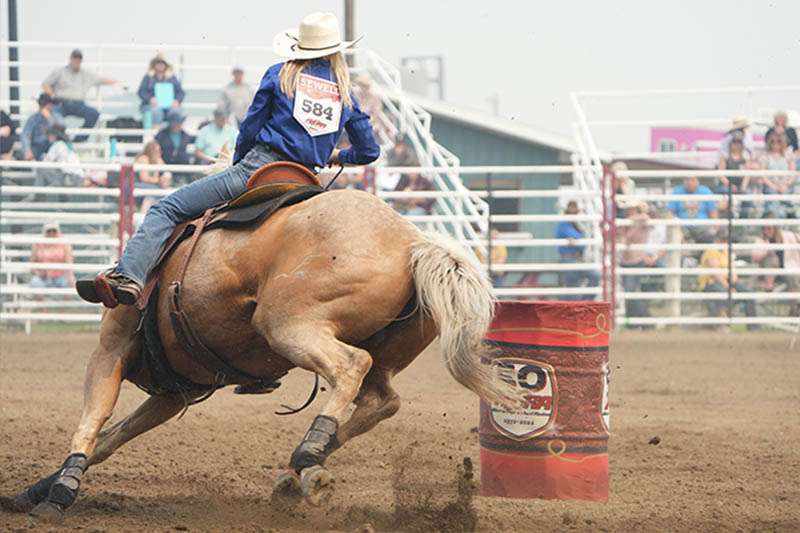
(188, 202)
(58, 282)
(77, 108)
(576, 278)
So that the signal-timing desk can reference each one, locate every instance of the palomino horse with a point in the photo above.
(322, 285)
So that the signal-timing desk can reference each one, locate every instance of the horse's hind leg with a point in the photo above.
(343, 366)
(118, 344)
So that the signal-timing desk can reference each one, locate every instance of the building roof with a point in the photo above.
(486, 121)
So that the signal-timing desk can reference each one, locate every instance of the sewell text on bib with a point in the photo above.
(317, 105)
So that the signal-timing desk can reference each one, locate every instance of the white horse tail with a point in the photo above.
(453, 290)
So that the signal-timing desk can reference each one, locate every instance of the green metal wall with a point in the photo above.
(478, 146)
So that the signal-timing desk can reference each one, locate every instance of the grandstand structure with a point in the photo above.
(97, 220)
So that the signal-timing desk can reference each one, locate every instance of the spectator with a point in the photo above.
(34, 132)
(236, 96)
(741, 127)
(51, 253)
(213, 136)
(174, 140)
(499, 255)
(737, 160)
(777, 158)
(635, 235)
(573, 253)
(60, 151)
(781, 122)
(787, 259)
(400, 155)
(159, 92)
(656, 239)
(371, 104)
(67, 86)
(414, 206)
(717, 257)
(687, 209)
(152, 179)
(7, 136)
(622, 185)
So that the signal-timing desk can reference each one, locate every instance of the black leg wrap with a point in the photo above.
(64, 488)
(39, 490)
(319, 442)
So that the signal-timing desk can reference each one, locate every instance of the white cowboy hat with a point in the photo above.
(317, 36)
(740, 121)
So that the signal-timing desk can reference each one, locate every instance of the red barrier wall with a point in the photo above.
(556, 448)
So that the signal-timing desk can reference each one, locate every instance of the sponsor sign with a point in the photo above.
(536, 380)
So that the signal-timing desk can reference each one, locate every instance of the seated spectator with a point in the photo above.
(60, 151)
(51, 253)
(152, 179)
(159, 92)
(740, 128)
(781, 122)
(174, 140)
(737, 160)
(371, 104)
(414, 206)
(7, 136)
(778, 158)
(687, 209)
(635, 234)
(718, 258)
(499, 255)
(213, 136)
(770, 258)
(236, 96)
(401, 155)
(34, 132)
(656, 239)
(573, 253)
(68, 87)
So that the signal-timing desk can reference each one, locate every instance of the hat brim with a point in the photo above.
(285, 45)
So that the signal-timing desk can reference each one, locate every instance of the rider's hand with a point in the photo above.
(334, 160)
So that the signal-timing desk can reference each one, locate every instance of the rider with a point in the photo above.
(297, 114)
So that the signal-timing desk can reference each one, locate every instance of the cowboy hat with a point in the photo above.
(317, 36)
(740, 122)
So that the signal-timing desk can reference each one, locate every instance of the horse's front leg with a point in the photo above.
(52, 495)
(343, 366)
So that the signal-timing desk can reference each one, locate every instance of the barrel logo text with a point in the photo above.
(536, 381)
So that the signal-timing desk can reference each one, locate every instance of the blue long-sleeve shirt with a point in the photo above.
(34, 133)
(270, 120)
(567, 230)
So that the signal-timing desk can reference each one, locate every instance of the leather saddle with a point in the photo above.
(270, 188)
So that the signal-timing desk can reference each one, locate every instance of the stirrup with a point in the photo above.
(110, 289)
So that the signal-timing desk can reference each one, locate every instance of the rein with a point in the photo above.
(294, 410)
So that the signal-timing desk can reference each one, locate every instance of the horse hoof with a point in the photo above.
(21, 503)
(317, 485)
(286, 491)
(48, 512)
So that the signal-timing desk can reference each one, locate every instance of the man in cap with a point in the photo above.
(174, 140)
(34, 132)
(213, 136)
(236, 96)
(68, 87)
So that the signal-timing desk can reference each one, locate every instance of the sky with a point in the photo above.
(529, 54)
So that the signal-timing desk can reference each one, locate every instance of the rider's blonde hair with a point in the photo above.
(292, 69)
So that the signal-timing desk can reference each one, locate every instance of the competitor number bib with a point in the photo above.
(317, 105)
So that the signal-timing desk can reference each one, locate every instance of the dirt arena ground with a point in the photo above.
(726, 409)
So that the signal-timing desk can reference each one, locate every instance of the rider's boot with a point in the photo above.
(110, 288)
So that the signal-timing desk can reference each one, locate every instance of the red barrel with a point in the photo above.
(557, 447)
